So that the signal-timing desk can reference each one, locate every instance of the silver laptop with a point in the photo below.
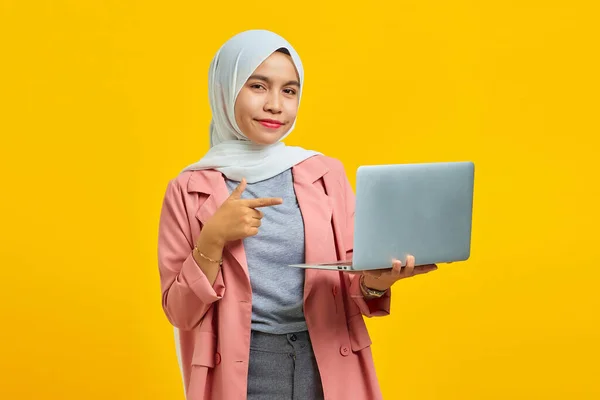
(421, 209)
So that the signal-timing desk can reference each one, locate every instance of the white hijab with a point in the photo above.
(231, 152)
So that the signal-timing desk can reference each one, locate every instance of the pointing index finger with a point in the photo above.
(263, 202)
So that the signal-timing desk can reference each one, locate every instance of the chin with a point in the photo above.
(265, 140)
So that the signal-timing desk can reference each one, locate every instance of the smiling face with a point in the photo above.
(267, 104)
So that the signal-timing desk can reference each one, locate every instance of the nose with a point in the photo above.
(273, 102)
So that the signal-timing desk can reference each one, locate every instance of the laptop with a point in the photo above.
(422, 209)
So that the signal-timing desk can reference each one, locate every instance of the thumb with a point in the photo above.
(237, 192)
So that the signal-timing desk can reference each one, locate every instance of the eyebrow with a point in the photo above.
(266, 79)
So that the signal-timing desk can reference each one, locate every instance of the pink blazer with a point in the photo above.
(214, 321)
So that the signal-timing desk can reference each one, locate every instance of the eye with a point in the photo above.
(257, 86)
(291, 92)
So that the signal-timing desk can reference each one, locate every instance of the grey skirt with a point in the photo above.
(283, 367)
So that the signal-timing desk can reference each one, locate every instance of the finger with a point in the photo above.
(396, 268)
(263, 202)
(410, 265)
(255, 223)
(237, 192)
(252, 231)
(256, 214)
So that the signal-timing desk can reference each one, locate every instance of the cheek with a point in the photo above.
(291, 109)
(243, 108)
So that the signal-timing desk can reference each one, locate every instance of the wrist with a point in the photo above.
(210, 237)
(370, 293)
(210, 245)
(374, 284)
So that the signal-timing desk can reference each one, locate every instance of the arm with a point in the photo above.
(187, 292)
(368, 307)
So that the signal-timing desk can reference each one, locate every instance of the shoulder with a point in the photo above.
(188, 184)
(179, 183)
(183, 179)
(333, 163)
(325, 164)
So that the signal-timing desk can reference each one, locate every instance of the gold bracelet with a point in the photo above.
(220, 262)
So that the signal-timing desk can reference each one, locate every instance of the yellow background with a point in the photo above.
(102, 102)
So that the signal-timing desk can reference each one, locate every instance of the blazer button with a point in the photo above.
(344, 350)
(217, 359)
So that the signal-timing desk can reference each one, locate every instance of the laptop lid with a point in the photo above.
(420, 209)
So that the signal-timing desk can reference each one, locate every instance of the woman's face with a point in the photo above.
(267, 104)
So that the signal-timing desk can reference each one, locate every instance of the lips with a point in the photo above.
(270, 123)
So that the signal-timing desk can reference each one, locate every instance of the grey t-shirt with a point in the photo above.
(277, 290)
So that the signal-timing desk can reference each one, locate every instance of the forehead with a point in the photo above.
(278, 66)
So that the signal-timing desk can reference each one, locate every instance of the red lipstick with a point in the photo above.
(270, 123)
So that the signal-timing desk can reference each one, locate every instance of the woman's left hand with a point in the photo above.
(383, 279)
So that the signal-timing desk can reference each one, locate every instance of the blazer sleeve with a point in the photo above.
(371, 308)
(186, 292)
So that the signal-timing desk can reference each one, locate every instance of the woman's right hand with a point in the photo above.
(238, 218)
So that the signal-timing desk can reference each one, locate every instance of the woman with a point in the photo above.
(247, 325)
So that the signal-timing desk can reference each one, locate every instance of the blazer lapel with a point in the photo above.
(212, 184)
(316, 209)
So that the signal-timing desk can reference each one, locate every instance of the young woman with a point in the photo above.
(249, 326)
